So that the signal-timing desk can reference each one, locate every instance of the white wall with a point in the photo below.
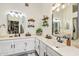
(47, 10)
(36, 11)
(33, 11)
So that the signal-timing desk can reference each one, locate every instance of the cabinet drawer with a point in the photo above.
(52, 52)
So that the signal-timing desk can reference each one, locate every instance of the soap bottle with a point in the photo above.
(68, 42)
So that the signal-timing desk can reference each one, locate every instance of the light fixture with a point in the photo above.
(58, 6)
(26, 4)
(57, 9)
(11, 13)
(20, 14)
(63, 6)
(55, 6)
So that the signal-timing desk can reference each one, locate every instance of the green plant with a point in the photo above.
(45, 18)
(39, 31)
(45, 23)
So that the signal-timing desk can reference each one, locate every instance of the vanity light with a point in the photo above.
(57, 9)
(16, 15)
(53, 8)
(12, 13)
(21, 14)
(63, 6)
(56, 6)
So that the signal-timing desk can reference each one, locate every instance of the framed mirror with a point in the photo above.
(15, 21)
(55, 26)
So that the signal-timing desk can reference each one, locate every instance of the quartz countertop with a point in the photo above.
(63, 49)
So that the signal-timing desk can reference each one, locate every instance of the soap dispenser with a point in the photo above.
(68, 42)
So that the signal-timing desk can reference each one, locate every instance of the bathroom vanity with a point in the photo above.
(42, 46)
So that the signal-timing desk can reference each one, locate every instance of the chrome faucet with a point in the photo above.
(59, 39)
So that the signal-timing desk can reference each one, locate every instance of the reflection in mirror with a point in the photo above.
(15, 22)
(75, 7)
(75, 36)
(56, 26)
(65, 26)
(13, 27)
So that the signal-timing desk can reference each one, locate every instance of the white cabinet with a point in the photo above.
(37, 46)
(24, 45)
(42, 49)
(30, 44)
(19, 45)
(51, 52)
(9, 47)
(6, 47)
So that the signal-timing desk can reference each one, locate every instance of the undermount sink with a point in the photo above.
(56, 44)
(60, 46)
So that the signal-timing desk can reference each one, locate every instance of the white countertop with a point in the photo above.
(63, 49)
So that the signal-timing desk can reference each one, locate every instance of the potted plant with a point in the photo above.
(39, 31)
(45, 21)
(45, 18)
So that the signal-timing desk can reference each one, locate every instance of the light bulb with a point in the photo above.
(58, 4)
(53, 8)
(63, 6)
(57, 9)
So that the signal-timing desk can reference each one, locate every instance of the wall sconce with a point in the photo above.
(58, 6)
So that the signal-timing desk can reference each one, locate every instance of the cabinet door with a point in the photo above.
(19, 45)
(30, 44)
(6, 47)
(37, 45)
(42, 49)
(51, 52)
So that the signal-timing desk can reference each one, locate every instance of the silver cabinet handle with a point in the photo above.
(44, 54)
(14, 45)
(38, 46)
(11, 45)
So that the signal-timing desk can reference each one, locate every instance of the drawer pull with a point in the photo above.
(11, 45)
(38, 46)
(14, 45)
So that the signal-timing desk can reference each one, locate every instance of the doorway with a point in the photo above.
(75, 36)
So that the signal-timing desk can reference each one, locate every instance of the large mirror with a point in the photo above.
(65, 20)
(15, 21)
(75, 31)
(56, 26)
